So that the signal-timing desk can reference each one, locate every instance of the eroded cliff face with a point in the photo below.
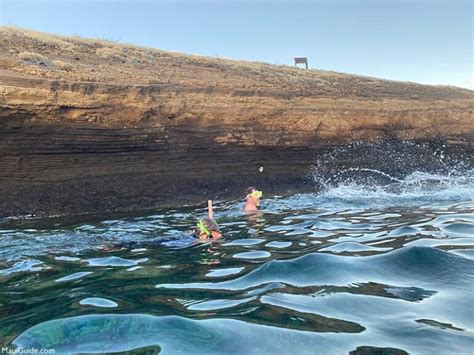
(89, 126)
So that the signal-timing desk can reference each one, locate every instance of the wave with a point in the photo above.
(418, 187)
(407, 266)
(355, 317)
(109, 333)
(396, 173)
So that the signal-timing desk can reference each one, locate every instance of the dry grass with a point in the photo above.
(62, 65)
(33, 58)
(122, 51)
(41, 38)
(76, 58)
(111, 53)
(9, 63)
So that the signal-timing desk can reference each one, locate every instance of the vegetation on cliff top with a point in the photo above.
(94, 60)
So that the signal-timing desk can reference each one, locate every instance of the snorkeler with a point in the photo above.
(252, 200)
(206, 229)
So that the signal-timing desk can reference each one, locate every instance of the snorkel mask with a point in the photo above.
(200, 225)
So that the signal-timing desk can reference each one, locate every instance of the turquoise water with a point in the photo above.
(355, 266)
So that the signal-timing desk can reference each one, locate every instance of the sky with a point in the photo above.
(429, 42)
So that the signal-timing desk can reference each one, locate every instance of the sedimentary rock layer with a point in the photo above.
(88, 126)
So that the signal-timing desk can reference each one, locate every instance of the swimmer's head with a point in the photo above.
(252, 191)
(207, 228)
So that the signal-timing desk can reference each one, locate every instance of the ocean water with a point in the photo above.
(356, 267)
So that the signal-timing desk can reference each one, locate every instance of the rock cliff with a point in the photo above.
(89, 126)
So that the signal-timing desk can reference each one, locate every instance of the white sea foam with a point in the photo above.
(414, 188)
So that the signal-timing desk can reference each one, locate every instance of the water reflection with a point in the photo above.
(303, 274)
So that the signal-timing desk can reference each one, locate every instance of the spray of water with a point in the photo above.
(393, 173)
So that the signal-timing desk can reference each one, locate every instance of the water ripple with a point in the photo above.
(352, 269)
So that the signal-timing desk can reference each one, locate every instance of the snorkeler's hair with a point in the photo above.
(210, 224)
(250, 190)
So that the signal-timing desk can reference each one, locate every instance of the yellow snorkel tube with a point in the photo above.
(200, 225)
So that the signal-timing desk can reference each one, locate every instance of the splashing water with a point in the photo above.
(444, 178)
(416, 188)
